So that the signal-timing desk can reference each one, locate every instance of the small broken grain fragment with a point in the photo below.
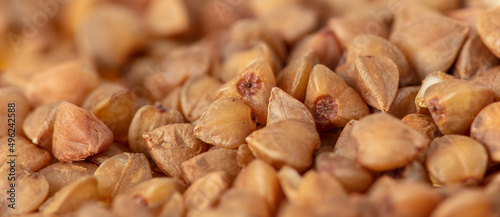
(331, 102)
(377, 82)
(225, 123)
(211, 161)
(253, 87)
(114, 105)
(488, 28)
(171, 145)
(121, 172)
(294, 77)
(385, 143)
(423, 124)
(284, 107)
(486, 129)
(146, 119)
(289, 142)
(78, 134)
(404, 102)
(454, 159)
(59, 175)
(453, 104)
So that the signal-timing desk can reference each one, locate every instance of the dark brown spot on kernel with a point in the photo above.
(159, 107)
(254, 118)
(249, 85)
(437, 111)
(325, 108)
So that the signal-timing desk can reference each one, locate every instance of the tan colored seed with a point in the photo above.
(284, 107)
(114, 105)
(260, 179)
(346, 146)
(244, 33)
(244, 155)
(21, 107)
(429, 80)
(485, 129)
(474, 59)
(319, 188)
(78, 134)
(173, 99)
(454, 159)
(453, 104)
(385, 143)
(146, 119)
(378, 79)
(30, 156)
(71, 81)
(124, 206)
(352, 176)
(465, 203)
(487, 26)
(253, 87)
(39, 125)
(176, 67)
(294, 77)
(112, 150)
(108, 35)
(211, 161)
(423, 124)
(172, 144)
(291, 22)
(290, 181)
(244, 201)
(207, 190)
(324, 46)
(404, 198)
(491, 79)
(156, 191)
(288, 142)
(371, 45)
(430, 43)
(235, 64)
(404, 102)
(59, 175)
(31, 189)
(120, 173)
(225, 123)
(331, 102)
(174, 207)
(196, 95)
(174, 11)
(71, 197)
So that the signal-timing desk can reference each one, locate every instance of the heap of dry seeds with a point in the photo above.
(250, 108)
